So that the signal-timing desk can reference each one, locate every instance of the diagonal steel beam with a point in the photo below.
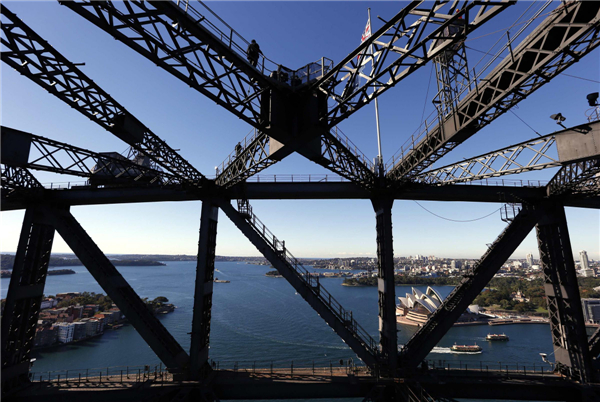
(406, 42)
(251, 155)
(543, 55)
(337, 154)
(203, 292)
(306, 284)
(567, 323)
(24, 296)
(32, 56)
(557, 149)
(524, 157)
(577, 179)
(594, 343)
(188, 44)
(116, 287)
(423, 341)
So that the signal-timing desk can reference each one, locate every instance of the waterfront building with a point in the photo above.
(65, 331)
(591, 310)
(45, 335)
(91, 326)
(79, 330)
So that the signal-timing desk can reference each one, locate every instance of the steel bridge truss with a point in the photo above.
(186, 44)
(29, 54)
(39, 153)
(207, 57)
(569, 33)
(404, 43)
(581, 178)
(530, 155)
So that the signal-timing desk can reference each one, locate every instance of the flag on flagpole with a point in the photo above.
(364, 55)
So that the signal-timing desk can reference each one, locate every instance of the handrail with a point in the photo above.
(311, 280)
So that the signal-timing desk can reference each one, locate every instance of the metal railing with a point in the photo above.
(490, 367)
(236, 42)
(311, 280)
(342, 367)
(115, 374)
(350, 146)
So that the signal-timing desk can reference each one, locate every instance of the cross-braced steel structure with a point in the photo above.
(298, 111)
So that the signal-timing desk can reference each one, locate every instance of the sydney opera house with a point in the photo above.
(416, 307)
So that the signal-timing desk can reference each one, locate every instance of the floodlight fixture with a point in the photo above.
(593, 99)
(559, 118)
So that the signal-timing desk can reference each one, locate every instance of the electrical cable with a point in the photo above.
(456, 220)
(427, 93)
(524, 122)
(581, 78)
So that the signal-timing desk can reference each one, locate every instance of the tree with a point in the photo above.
(160, 300)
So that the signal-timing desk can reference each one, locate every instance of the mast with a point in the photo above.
(379, 156)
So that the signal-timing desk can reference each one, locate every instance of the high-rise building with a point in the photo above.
(530, 260)
(583, 260)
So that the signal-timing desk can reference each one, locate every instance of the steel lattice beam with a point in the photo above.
(29, 54)
(307, 285)
(187, 45)
(557, 149)
(24, 297)
(18, 178)
(581, 178)
(203, 292)
(423, 341)
(116, 287)
(53, 156)
(404, 43)
(567, 35)
(567, 324)
(594, 343)
(246, 160)
(337, 154)
(524, 157)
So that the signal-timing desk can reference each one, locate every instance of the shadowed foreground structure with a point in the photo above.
(298, 111)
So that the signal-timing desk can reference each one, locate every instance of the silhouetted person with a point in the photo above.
(253, 52)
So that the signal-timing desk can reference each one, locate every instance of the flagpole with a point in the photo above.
(380, 158)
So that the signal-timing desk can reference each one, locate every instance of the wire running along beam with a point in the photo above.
(400, 48)
(543, 55)
(29, 54)
(423, 341)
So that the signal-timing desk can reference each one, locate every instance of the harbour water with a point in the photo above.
(259, 320)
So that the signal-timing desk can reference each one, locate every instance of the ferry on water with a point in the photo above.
(465, 348)
(496, 337)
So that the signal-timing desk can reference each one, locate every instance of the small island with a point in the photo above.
(8, 260)
(274, 274)
(8, 273)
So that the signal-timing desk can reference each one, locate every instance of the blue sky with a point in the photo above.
(293, 34)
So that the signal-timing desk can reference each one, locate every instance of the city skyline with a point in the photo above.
(294, 34)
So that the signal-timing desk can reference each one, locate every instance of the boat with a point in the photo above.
(496, 337)
(217, 280)
(465, 348)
